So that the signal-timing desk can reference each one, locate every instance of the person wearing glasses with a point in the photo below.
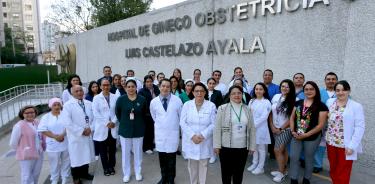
(29, 145)
(197, 123)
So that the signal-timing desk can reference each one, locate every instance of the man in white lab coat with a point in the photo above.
(165, 111)
(77, 117)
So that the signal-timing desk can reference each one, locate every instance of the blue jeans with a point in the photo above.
(318, 157)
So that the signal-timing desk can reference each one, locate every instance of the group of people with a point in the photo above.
(294, 120)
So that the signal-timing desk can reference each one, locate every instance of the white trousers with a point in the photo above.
(197, 171)
(59, 163)
(30, 170)
(129, 145)
(259, 156)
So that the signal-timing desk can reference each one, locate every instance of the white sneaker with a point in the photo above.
(257, 171)
(126, 179)
(212, 160)
(149, 152)
(54, 182)
(252, 167)
(275, 173)
(138, 177)
(96, 158)
(279, 178)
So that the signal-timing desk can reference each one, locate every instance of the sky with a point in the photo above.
(45, 6)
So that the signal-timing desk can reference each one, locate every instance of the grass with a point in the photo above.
(37, 74)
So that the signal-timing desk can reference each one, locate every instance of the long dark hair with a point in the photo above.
(178, 85)
(90, 86)
(69, 85)
(265, 95)
(203, 86)
(145, 79)
(290, 98)
(316, 101)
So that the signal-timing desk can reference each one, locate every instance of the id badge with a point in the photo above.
(87, 119)
(239, 128)
(131, 116)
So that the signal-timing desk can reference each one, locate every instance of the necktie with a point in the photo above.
(165, 105)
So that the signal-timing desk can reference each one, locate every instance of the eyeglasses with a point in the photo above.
(199, 91)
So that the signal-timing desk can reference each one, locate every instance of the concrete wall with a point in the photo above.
(339, 38)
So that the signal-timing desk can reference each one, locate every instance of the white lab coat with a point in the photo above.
(81, 148)
(167, 129)
(261, 110)
(104, 114)
(222, 87)
(354, 126)
(193, 123)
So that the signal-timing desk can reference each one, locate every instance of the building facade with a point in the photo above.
(49, 34)
(22, 16)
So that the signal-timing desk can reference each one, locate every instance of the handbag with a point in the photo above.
(283, 138)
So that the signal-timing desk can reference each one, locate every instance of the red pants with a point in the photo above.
(340, 168)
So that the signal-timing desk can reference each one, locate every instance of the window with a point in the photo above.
(28, 7)
(16, 15)
(29, 17)
(29, 28)
(5, 15)
(4, 4)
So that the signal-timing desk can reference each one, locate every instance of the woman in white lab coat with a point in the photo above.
(260, 107)
(106, 126)
(197, 124)
(57, 143)
(346, 126)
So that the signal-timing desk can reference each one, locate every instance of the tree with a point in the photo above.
(74, 16)
(16, 55)
(108, 11)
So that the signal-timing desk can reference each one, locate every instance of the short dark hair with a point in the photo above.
(216, 71)
(106, 67)
(23, 109)
(268, 70)
(203, 86)
(299, 74)
(165, 80)
(153, 71)
(161, 73)
(344, 84)
(331, 73)
(129, 71)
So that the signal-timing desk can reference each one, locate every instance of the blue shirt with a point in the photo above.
(324, 95)
(300, 95)
(273, 89)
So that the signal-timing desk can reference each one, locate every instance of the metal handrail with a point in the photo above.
(13, 99)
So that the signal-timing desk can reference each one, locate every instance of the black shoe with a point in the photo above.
(317, 169)
(305, 181)
(106, 172)
(292, 181)
(111, 171)
(88, 177)
(77, 181)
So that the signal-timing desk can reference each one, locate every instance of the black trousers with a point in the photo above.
(80, 172)
(167, 167)
(107, 150)
(232, 162)
(96, 148)
(148, 139)
(272, 145)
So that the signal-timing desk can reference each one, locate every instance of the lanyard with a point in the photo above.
(238, 116)
(82, 105)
